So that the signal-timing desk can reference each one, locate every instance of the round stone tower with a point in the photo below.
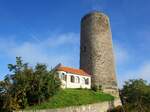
(96, 52)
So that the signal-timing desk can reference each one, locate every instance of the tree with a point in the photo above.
(136, 95)
(27, 86)
(8, 102)
(43, 84)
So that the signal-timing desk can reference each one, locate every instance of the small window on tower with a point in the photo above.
(84, 49)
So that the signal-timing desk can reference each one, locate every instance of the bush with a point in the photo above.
(27, 86)
(135, 96)
(97, 88)
(116, 109)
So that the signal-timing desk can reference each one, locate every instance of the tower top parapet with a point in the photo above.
(94, 13)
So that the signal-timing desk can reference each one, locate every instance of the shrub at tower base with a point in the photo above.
(135, 97)
(27, 86)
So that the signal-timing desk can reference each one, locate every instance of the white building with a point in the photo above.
(73, 78)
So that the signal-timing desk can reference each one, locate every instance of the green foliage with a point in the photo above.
(44, 84)
(136, 96)
(117, 109)
(27, 86)
(97, 88)
(8, 102)
(73, 97)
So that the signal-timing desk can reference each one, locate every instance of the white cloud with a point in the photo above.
(44, 50)
(121, 54)
(56, 40)
(142, 72)
(123, 57)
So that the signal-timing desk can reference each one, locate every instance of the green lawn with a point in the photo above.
(73, 97)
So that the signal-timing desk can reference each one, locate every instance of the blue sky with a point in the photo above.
(48, 31)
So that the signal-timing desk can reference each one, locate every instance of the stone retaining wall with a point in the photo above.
(97, 107)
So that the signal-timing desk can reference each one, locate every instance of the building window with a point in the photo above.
(87, 81)
(72, 79)
(63, 77)
(77, 79)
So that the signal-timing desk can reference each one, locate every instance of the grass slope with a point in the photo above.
(73, 97)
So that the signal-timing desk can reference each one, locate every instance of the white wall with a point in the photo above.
(76, 84)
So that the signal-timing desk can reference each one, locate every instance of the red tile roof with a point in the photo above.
(73, 71)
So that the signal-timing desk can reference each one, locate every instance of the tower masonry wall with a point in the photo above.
(96, 51)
